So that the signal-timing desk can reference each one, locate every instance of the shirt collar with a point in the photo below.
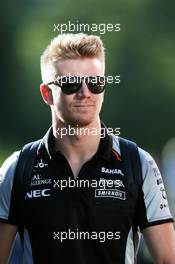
(104, 149)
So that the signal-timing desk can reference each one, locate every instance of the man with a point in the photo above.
(83, 224)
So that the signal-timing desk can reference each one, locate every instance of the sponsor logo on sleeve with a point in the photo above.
(163, 206)
(159, 181)
(163, 193)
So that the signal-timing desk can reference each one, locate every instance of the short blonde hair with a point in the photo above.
(69, 46)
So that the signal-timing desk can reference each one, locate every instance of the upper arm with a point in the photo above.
(7, 172)
(154, 217)
(160, 240)
(7, 235)
(8, 226)
(153, 208)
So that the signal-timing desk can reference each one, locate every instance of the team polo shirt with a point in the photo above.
(93, 219)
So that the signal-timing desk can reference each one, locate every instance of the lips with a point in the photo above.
(83, 105)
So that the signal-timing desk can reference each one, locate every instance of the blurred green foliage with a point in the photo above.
(142, 53)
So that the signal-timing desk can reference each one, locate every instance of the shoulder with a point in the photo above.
(146, 159)
(7, 173)
(154, 202)
(148, 164)
(8, 167)
(149, 168)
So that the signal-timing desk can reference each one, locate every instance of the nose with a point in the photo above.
(83, 91)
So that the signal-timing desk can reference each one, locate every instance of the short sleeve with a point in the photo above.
(153, 208)
(7, 172)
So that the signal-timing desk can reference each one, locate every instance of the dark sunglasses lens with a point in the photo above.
(96, 84)
(69, 85)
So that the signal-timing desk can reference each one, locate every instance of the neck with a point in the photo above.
(79, 143)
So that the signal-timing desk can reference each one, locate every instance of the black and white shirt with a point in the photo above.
(93, 219)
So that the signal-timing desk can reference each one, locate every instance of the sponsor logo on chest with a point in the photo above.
(110, 193)
(111, 188)
(112, 171)
(38, 180)
(38, 193)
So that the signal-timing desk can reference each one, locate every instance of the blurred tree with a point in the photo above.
(142, 53)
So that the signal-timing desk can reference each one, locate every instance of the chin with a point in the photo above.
(80, 121)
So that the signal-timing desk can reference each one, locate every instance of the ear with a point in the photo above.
(46, 93)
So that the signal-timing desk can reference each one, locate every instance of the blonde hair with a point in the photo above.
(69, 46)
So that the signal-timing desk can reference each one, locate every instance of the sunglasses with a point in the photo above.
(72, 84)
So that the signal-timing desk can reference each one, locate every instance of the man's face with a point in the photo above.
(82, 107)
